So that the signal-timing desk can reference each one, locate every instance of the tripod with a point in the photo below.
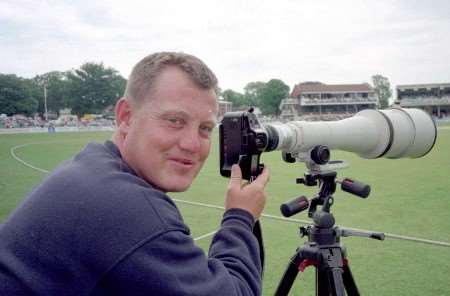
(323, 249)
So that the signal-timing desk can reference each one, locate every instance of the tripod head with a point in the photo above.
(320, 171)
(323, 248)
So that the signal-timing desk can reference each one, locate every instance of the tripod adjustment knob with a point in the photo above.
(303, 231)
(294, 206)
(287, 157)
(355, 187)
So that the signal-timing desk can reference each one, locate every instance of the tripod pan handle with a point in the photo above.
(294, 206)
(355, 187)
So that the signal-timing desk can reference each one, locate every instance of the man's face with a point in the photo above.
(169, 135)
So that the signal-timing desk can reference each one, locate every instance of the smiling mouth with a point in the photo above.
(182, 161)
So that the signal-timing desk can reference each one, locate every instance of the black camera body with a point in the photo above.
(242, 140)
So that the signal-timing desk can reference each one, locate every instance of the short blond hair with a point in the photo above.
(145, 72)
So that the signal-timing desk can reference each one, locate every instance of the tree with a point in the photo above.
(93, 87)
(236, 98)
(56, 85)
(252, 92)
(271, 94)
(382, 89)
(16, 96)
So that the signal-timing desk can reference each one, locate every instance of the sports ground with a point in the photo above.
(409, 201)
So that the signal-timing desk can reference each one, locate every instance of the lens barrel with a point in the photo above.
(390, 133)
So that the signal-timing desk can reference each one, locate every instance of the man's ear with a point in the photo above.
(123, 115)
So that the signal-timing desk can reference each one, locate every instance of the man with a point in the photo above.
(102, 224)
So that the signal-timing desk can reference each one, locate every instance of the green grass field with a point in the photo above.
(410, 197)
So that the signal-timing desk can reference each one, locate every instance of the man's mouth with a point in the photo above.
(183, 161)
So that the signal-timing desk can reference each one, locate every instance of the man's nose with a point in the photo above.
(190, 141)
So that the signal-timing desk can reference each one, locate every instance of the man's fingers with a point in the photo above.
(263, 178)
(236, 176)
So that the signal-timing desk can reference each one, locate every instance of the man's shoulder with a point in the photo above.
(99, 183)
(111, 210)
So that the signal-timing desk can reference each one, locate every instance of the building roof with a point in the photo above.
(319, 87)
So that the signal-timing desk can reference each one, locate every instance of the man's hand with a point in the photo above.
(247, 196)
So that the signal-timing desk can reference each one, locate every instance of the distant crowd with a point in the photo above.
(21, 121)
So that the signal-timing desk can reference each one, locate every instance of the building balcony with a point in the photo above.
(289, 102)
(425, 101)
(337, 101)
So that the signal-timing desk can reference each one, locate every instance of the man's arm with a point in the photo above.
(171, 264)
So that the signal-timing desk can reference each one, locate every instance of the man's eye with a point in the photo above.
(177, 122)
(206, 130)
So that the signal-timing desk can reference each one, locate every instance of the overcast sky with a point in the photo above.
(242, 41)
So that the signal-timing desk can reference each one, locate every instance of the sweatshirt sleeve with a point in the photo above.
(171, 264)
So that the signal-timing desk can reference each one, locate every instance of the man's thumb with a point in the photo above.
(236, 174)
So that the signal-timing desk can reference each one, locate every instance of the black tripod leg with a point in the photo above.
(336, 282)
(329, 282)
(289, 276)
(322, 282)
(349, 282)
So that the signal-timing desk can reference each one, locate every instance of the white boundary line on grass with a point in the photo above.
(391, 235)
(13, 154)
(205, 235)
